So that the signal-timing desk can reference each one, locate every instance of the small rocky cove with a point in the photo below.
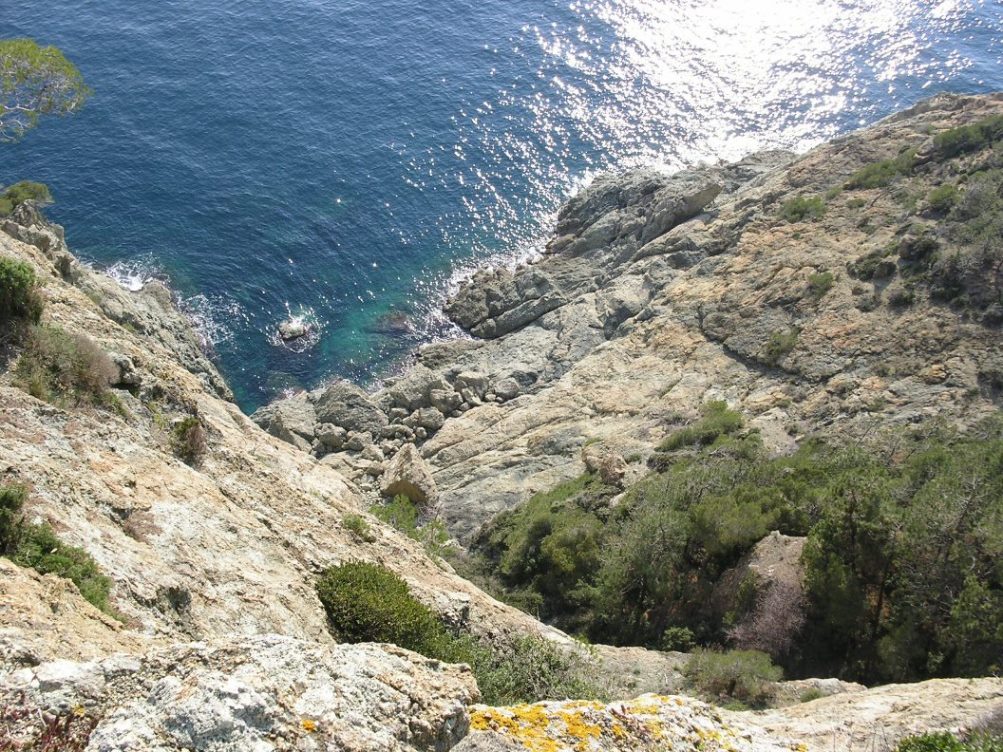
(785, 288)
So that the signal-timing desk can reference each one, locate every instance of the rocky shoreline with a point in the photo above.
(656, 294)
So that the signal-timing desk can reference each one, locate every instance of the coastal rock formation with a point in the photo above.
(855, 721)
(256, 693)
(658, 293)
(661, 292)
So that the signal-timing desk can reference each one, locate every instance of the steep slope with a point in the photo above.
(660, 293)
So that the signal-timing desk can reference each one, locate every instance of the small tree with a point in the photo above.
(35, 81)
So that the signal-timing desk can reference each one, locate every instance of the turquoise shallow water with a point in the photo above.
(354, 159)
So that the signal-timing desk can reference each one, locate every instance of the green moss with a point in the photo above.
(880, 174)
(802, 207)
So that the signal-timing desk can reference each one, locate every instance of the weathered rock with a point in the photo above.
(128, 376)
(346, 405)
(607, 464)
(429, 418)
(506, 389)
(331, 437)
(408, 474)
(258, 693)
(293, 420)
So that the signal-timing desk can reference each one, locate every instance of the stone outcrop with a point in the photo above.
(256, 693)
(853, 721)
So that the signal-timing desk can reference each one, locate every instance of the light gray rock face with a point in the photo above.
(408, 474)
(344, 404)
(258, 693)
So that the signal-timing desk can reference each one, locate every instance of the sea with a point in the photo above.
(349, 163)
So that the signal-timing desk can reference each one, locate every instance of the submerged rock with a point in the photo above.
(294, 328)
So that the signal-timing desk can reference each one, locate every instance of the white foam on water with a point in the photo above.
(301, 315)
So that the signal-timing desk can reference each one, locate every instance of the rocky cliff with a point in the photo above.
(658, 293)
(661, 292)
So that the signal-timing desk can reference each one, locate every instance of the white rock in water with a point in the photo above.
(293, 329)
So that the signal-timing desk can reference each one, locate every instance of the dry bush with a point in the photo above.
(774, 622)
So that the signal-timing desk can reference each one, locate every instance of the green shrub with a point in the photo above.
(369, 603)
(65, 369)
(677, 638)
(943, 198)
(19, 298)
(403, 515)
(357, 525)
(37, 547)
(873, 265)
(801, 208)
(968, 138)
(942, 741)
(880, 174)
(188, 440)
(15, 195)
(717, 421)
(779, 345)
(743, 675)
(12, 498)
(819, 284)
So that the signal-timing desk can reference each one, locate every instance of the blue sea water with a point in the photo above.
(352, 160)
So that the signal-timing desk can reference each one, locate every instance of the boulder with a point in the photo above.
(607, 464)
(408, 475)
(346, 405)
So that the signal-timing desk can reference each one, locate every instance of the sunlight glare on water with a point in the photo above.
(357, 159)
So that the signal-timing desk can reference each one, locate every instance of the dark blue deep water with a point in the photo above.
(352, 159)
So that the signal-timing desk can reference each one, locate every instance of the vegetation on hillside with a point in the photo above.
(369, 603)
(902, 563)
(37, 546)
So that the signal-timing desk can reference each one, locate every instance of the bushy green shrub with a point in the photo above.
(15, 195)
(403, 515)
(743, 675)
(38, 547)
(873, 265)
(717, 421)
(188, 440)
(880, 174)
(357, 525)
(819, 284)
(802, 207)
(369, 603)
(779, 345)
(969, 138)
(943, 198)
(65, 369)
(20, 301)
